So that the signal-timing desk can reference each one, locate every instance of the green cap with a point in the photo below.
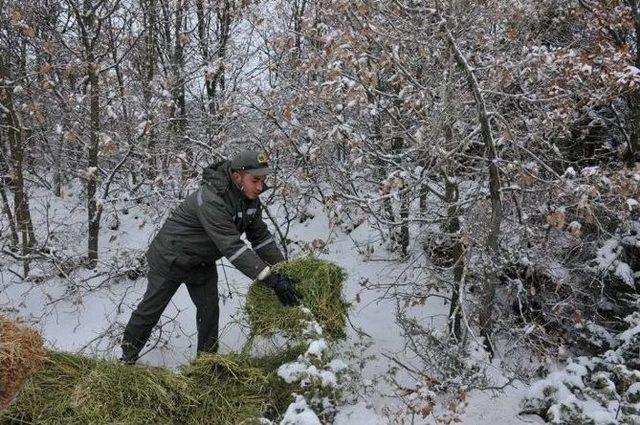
(255, 163)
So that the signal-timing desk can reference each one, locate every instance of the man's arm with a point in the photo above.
(265, 246)
(218, 223)
(262, 240)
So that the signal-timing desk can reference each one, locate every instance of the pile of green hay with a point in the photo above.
(320, 285)
(213, 389)
(74, 389)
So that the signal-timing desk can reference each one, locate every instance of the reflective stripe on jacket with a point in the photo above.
(208, 225)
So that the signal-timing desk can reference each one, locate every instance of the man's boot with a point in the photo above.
(129, 354)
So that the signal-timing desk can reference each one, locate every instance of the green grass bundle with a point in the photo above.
(320, 285)
(213, 389)
(228, 389)
(73, 389)
(110, 393)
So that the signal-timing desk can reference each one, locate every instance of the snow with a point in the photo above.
(608, 259)
(91, 171)
(634, 390)
(359, 414)
(316, 348)
(337, 365)
(299, 413)
(291, 372)
(607, 254)
(574, 226)
(629, 334)
(589, 171)
(312, 327)
(328, 378)
(624, 272)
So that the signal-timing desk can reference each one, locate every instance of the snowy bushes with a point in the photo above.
(594, 390)
(574, 294)
(618, 260)
(318, 376)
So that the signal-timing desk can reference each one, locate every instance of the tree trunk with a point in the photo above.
(15, 136)
(381, 169)
(57, 172)
(126, 121)
(299, 7)
(403, 233)
(6, 207)
(493, 253)
(452, 228)
(150, 68)
(214, 72)
(93, 208)
(179, 117)
(90, 27)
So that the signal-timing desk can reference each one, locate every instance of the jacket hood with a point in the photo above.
(217, 176)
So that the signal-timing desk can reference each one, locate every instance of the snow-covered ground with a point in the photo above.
(92, 320)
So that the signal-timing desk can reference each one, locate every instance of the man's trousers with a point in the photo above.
(159, 292)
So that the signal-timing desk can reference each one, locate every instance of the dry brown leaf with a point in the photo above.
(557, 219)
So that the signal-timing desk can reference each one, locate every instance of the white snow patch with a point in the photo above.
(337, 365)
(624, 272)
(634, 389)
(291, 372)
(359, 414)
(316, 348)
(607, 254)
(328, 378)
(312, 329)
(629, 334)
(589, 171)
(299, 413)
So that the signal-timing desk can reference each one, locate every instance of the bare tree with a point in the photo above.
(13, 137)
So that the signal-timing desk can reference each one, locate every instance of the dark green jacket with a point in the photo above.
(206, 226)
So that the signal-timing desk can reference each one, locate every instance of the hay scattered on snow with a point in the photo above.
(20, 355)
(320, 284)
(213, 389)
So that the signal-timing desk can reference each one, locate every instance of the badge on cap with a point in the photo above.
(262, 158)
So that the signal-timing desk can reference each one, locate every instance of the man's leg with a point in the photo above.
(146, 315)
(205, 297)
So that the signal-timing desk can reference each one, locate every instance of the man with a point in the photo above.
(206, 226)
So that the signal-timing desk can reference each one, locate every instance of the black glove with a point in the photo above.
(283, 287)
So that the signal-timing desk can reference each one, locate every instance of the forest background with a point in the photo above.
(489, 150)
